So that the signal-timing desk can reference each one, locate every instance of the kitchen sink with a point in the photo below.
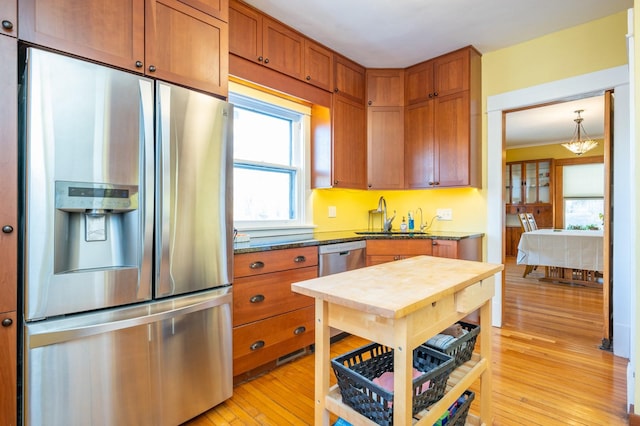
(391, 233)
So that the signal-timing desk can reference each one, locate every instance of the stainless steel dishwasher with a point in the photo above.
(341, 257)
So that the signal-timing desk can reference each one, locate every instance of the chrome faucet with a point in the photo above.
(422, 224)
(382, 207)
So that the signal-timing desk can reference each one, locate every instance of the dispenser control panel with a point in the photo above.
(82, 196)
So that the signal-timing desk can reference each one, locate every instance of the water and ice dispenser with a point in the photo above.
(96, 226)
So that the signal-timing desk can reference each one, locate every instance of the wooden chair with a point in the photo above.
(524, 222)
(532, 222)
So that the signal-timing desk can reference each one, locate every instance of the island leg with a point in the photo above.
(486, 414)
(322, 362)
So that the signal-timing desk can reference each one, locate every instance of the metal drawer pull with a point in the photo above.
(257, 265)
(300, 259)
(257, 298)
(299, 330)
(257, 345)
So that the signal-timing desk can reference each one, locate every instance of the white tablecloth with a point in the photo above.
(562, 248)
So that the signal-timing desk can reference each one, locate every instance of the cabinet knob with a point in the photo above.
(300, 259)
(369, 103)
(257, 345)
(308, 78)
(335, 90)
(7, 322)
(260, 58)
(435, 94)
(7, 229)
(257, 298)
(152, 68)
(7, 25)
(430, 183)
(299, 330)
(335, 182)
(369, 185)
(257, 265)
(266, 60)
(139, 64)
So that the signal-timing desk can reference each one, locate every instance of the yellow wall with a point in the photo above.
(555, 151)
(552, 57)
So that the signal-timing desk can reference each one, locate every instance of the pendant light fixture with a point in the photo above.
(580, 142)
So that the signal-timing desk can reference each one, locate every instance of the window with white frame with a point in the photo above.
(583, 194)
(269, 140)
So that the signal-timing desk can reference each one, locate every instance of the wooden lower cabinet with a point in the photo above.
(8, 369)
(269, 320)
(512, 239)
(382, 251)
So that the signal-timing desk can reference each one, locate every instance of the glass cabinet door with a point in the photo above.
(531, 183)
(516, 183)
(544, 182)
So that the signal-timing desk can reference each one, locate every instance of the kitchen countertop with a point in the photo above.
(332, 237)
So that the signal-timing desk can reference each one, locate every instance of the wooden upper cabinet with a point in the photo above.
(110, 32)
(187, 46)
(282, 48)
(349, 79)
(9, 18)
(217, 8)
(8, 174)
(349, 153)
(167, 39)
(452, 154)
(318, 65)
(419, 145)
(442, 76)
(245, 31)
(385, 147)
(385, 87)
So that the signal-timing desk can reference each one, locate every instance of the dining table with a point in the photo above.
(574, 256)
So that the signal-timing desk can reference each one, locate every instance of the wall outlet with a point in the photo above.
(444, 214)
(332, 211)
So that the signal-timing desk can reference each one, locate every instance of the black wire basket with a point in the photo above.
(356, 370)
(462, 347)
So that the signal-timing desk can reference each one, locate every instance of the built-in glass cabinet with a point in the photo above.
(528, 182)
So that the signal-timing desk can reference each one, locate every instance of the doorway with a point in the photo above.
(614, 78)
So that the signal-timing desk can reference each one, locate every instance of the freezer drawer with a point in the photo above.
(157, 364)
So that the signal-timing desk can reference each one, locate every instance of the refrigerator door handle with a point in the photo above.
(164, 280)
(147, 164)
(64, 334)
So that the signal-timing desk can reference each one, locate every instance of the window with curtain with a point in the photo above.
(583, 196)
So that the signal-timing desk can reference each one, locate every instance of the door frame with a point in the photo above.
(616, 78)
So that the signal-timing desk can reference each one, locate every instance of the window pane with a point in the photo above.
(583, 213)
(262, 194)
(261, 137)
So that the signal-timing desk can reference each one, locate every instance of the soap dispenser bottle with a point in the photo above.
(403, 225)
(411, 222)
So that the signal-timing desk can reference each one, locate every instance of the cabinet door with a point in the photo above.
(451, 73)
(385, 147)
(544, 181)
(385, 87)
(530, 183)
(418, 145)
(187, 47)
(109, 32)
(349, 79)
(349, 144)
(9, 18)
(318, 65)
(419, 83)
(8, 174)
(445, 248)
(216, 8)
(282, 48)
(245, 32)
(452, 146)
(8, 368)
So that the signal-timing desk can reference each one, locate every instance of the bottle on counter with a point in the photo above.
(411, 221)
(403, 225)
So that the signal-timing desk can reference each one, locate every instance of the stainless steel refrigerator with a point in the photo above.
(126, 246)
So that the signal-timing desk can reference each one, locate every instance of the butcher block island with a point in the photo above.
(401, 305)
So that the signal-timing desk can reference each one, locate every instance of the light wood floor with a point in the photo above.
(547, 367)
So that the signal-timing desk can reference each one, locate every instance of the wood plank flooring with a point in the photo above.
(547, 366)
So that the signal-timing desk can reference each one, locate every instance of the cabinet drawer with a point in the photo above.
(263, 341)
(248, 264)
(399, 247)
(265, 295)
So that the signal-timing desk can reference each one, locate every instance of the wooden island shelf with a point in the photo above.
(401, 305)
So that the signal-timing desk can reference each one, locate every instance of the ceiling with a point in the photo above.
(400, 33)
